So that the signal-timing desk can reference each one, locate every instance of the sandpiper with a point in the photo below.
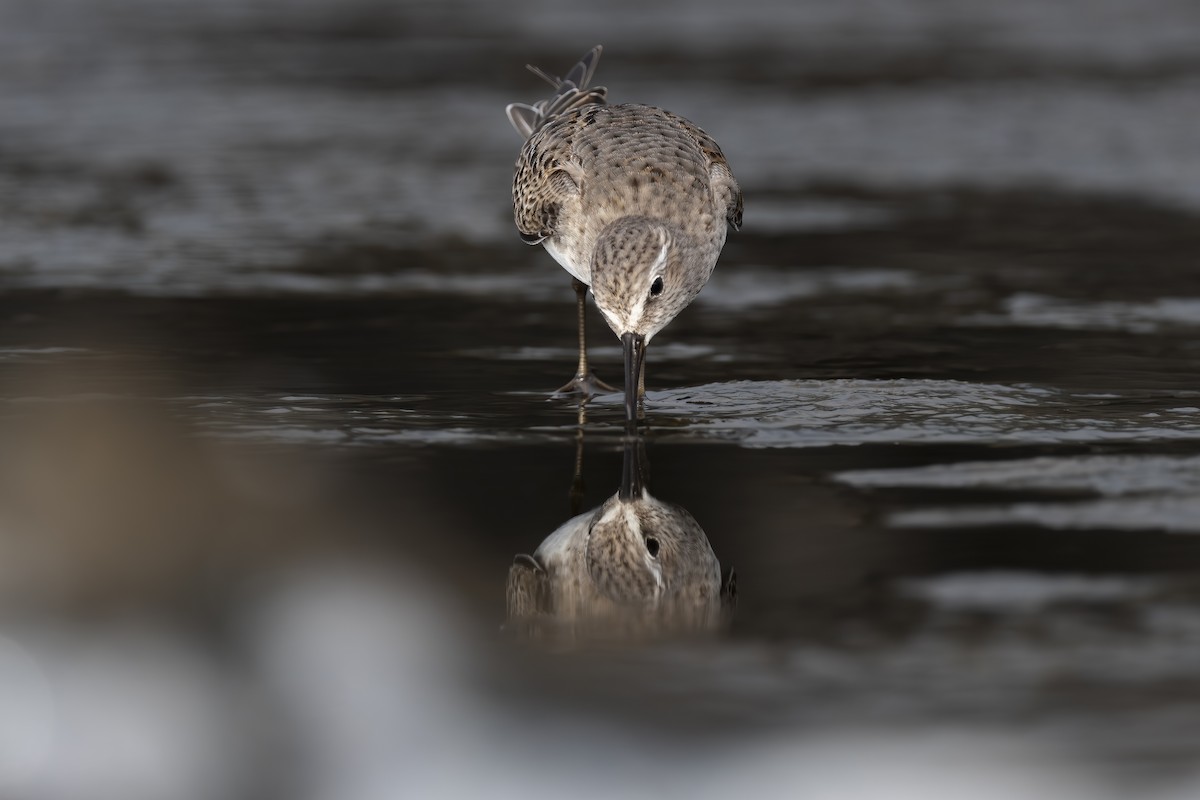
(633, 565)
(633, 201)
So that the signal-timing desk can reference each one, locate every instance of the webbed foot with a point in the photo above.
(587, 385)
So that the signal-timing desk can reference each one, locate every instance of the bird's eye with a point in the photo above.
(656, 288)
(652, 546)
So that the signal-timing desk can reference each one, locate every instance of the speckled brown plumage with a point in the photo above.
(596, 571)
(631, 200)
(633, 565)
(584, 170)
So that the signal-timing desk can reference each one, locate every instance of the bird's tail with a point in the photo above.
(569, 93)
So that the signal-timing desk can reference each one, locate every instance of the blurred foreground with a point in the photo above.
(196, 617)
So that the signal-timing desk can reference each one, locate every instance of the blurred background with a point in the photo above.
(275, 413)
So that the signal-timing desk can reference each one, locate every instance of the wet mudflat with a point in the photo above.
(274, 382)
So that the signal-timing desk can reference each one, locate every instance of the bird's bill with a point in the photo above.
(633, 471)
(634, 345)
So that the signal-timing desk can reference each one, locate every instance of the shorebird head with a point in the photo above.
(643, 551)
(645, 566)
(643, 274)
(633, 565)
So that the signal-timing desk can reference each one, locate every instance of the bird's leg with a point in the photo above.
(581, 304)
(584, 381)
(577, 486)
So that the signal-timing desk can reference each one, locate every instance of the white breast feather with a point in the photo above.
(579, 271)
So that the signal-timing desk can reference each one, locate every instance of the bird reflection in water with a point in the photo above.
(633, 567)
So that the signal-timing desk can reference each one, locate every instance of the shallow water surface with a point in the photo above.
(275, 394)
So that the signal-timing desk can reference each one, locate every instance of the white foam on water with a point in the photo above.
(1105, 475)
(1040, 311)
(1135, 492)
(751, 287)
(1169, 513)
(1022, 592)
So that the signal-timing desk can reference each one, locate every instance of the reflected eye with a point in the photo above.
(652, 546)
(656, 288)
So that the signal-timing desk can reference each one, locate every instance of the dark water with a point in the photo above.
(274, 385)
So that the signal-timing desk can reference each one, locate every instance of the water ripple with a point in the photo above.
(755, 414)
(853, 412)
